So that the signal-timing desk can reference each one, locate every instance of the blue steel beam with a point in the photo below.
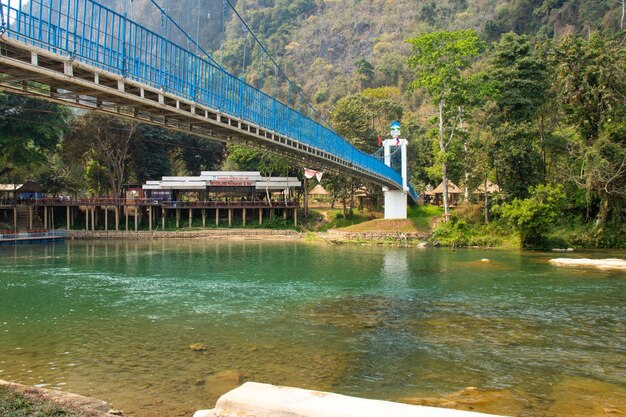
(87, 31)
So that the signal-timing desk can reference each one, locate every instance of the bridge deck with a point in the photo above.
(119, 67)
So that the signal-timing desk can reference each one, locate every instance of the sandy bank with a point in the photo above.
(611, 263)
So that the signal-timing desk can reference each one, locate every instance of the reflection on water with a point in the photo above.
(115, 320)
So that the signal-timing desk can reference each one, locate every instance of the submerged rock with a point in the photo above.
(579, 397)
(501, 402)
(198, 347)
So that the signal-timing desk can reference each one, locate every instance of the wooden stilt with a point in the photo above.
(15, 218)
(295, 217)
(190, 217)
(86, 217)
(243, 214)
(117, 218)
(67, 217)
(217, 217)
(162, 218)
(30, 217)
(93, 218)
(136, 218)
(150, 218)
(285, 211)
(126, 213)
(203, 217)
(45, 217)
(177, 218)
(106, 218)
(260, 216)
(230, 217)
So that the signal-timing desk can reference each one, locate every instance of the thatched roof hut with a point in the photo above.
(452, 189)
(491, 188)
(318, 190)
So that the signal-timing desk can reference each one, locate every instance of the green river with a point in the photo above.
(115, 321)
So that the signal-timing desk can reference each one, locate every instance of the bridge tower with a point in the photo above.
(396, 200)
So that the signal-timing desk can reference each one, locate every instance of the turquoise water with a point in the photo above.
(115, 320)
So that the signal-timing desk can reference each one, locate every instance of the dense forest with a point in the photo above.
(527, 94)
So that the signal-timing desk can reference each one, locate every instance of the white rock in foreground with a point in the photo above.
(610, 263)
(263, 400)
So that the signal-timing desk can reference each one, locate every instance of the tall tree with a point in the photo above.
(589, 79)
(30, 131)
(103, 143)
(519, 76)
(441, 59)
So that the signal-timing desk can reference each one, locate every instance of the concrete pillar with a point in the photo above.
(395, 204)
(217, 217)
(163, 218)
(136, 218)
(86, 217)
(260, 216)
(243, 214)
(15, 218)
(230, 217)
(45, 217)
(295, 217)
(67, 217)
(150, 218)
(285, 211)
(126, 213)
(93, 218)
(117, 218)
(106, 218)
(177, 218)
(30, 217)
(190, 217)
(203, 217)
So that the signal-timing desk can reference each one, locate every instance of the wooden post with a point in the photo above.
(150, 218)
(230, 217)
(15, 218)
(52, 218)
(136, 218)
(126, 213)
(244, 217)
(306, 197)
(93, 218)
(30, 217)
(86, 217)
(67, 217)
(117, 218)
(203, 217)
(285, 211)
(217, 216)
(177, 218)
(106, 218)
(260, 216)
(295, 217)
(190, 217)
(162, 218)
(45, 217)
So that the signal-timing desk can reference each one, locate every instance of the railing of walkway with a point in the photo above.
(91, 33)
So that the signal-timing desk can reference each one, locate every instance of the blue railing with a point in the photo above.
(91, 33)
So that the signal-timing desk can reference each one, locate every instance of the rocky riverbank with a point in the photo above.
(22, 400)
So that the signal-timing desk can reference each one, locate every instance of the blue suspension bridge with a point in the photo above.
(83, 54)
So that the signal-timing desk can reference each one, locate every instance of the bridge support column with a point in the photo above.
(396, 200)
(395, 204)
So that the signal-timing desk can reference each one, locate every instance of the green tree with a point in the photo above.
(589, 81)
(533, 216)
(30, 131)
(441, 60)
(365, 72)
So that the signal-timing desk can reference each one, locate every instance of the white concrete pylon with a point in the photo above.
(396, 200)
